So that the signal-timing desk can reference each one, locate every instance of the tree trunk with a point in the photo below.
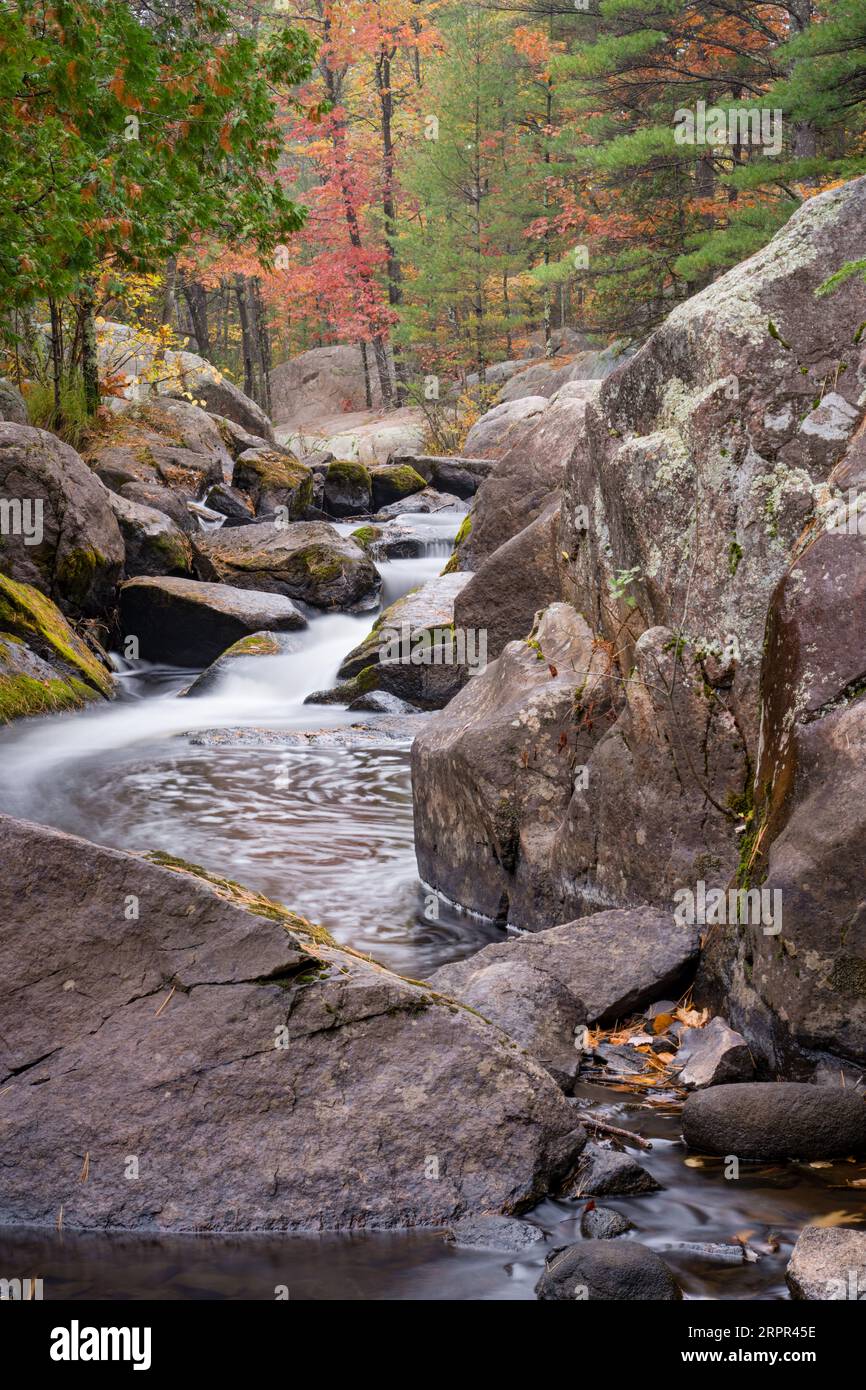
(169, 304)
(89, 360)
(394, 268)
(56, 356)
(368, 394)
(195, 295)
(246, 334)
(263, 341)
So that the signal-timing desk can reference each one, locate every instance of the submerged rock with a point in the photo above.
(410, 619)
(828, 1264)
(188, 623)
(770, 1119)
(610, 1271)
(495, 1233)
(308, 560)
(262, 1077)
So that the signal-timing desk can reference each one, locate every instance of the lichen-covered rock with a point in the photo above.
(263, 1077)
(59, 531)
(189, 623)
(44, 665)
(274, 479)
(308, 560)
(154, 543)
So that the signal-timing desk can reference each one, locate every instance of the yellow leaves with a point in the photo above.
(831, 1219)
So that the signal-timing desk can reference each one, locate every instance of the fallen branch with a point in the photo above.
(625, 1134)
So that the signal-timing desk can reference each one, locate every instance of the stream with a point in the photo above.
(231, 780)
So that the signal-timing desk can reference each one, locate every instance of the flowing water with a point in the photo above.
(233, 780)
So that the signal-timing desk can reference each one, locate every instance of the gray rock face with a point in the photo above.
(520, 579)
(320, 384)
(78, 553)
(307, 560)
(608, 1271)
(187, 623)
(716, 1056)
(264, 1078)
(539, 987)
(805, 1004)
(828, 1264)
(604, 1172)
(771, 1119)
(12, 404)
(493, 775)
(155, 545)
(490, 437)
(521, 484)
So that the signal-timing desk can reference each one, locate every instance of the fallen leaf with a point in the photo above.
(662, 1022)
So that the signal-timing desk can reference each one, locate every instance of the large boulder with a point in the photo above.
(610, 1271)
(453, 474)
(190, 624)
(490, 436)
(213, 1062)
(413, 619)
(154, 543)
(494, 773)
(274, 478)
(541, 987)
(828, 1264)
(520, 579)
(44, 664)
(548, 377)
(12, 404)
(799, 992)
(769, 1119)
(59, 532)
(319, 384)
(308, 560)
(348, 488)
(533, 468)
(183, 376)
(165, 443)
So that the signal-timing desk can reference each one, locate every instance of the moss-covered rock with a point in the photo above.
(275, 479)
(393, 482)
(44, 665)
(366, 536)
(348, 489)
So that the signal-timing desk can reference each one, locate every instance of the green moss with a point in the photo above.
(22, 697)
(76, 571)
(255, 903)
(404, 479)
(27, 614)
(735, 555)
(349, 471)
(464, 532)
(365, 536)
(258, 644)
